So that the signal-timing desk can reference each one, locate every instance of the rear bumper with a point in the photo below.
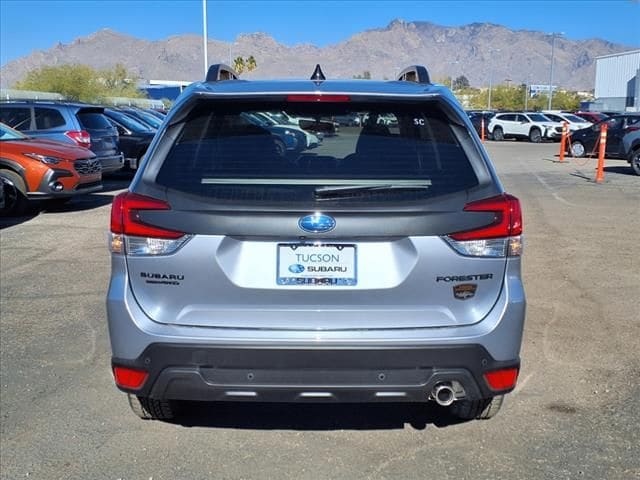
(348, 374)
(112, 163)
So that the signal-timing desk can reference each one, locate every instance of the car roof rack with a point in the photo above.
(414, 73)
(220, 71)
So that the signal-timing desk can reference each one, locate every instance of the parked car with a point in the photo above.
(156, 113)
(135, 137)
(384, 269)
(574, 122)
(593, 117)
(40, 169)
(319, 125)
(352, 120)
(584, 142)
(76, 123)
(526, 125)
(476, 118)
(310, 140)
(287, 141)
(151, 121)
(631, 147)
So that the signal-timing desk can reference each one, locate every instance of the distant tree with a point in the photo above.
(239, 65)
(460, 82)
(118, 82)
(75, 82)
(366, 75)
(82, 83)
(251, 63)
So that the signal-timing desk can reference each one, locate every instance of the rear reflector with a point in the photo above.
(507, 220)
(129, 377)
(125, 216)
(502, 379)
(318, 98)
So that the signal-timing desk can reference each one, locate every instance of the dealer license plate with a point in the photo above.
(322, 264)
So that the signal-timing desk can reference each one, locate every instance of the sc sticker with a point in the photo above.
(418, 122)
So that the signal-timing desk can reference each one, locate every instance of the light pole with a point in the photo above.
(553, 45)
(204, 36)
(451, 75)
(491, 51)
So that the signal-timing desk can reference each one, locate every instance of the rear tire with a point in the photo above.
(535, 135)
(477, 409)
(634, 161)
(151, 409)
(15, 193)
(577, 149)
(498, 134)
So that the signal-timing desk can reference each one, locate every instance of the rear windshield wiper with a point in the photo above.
(347, 190)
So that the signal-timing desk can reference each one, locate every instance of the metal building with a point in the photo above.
(618, 82)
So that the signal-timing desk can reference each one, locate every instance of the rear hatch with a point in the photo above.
(349, 235)
(104, 136)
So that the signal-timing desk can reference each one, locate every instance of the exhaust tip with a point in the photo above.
(443, 394)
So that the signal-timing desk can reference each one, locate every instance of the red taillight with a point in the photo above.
(507, 218)
(125, 216)
(632, 129)
(502, 379)
(318, 98)
(129, 377)
(81, 137)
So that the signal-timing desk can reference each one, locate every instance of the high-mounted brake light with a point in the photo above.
(507, 218)
(129, 377)
(318, 98)
(502, 379)
(81, 137)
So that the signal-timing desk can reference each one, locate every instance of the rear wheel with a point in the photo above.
(281, 149)
(151, 409)
(477, 409)
(535, 136)
(498, 134)
(14, 193)
(577, 149)
(635, 161)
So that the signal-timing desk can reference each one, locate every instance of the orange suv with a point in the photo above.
(36, 169)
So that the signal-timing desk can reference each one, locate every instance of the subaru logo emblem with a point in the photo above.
(317, 223)
(296, 268)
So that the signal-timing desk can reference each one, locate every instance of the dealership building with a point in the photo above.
(617, 82)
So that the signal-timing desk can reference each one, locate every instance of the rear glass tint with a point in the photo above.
(48, 118)
(303, 152)
(93, 120)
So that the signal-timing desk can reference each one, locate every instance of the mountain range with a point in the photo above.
(478, 51)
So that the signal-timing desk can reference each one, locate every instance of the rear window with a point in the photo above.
(93, 120)
(307, 152)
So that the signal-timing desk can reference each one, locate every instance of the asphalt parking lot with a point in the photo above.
(574, 414)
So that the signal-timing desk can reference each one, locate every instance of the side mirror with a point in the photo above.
(122, 131)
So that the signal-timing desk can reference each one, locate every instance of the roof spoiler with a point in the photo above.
(220, 71)
(415, 73)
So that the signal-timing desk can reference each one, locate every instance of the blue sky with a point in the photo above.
(26, 25)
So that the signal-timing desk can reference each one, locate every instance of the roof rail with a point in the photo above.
(220, 71)
(415, 73)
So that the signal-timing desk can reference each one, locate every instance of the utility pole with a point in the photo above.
(205, 36)
(491, 76)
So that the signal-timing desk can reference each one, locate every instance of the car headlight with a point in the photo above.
(44, 158)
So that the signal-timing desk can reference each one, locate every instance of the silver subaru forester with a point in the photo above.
(378, 263)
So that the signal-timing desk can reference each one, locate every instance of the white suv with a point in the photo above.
(534, 126)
